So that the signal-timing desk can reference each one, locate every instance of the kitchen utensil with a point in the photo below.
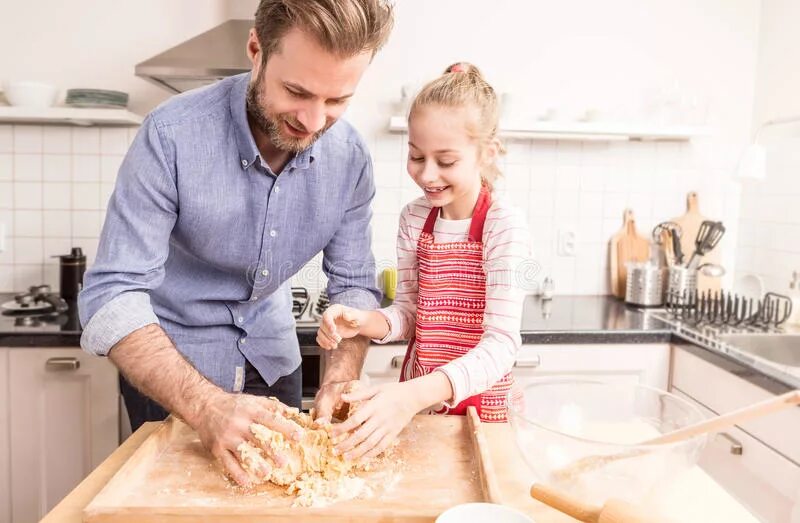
(661, 239)
(676, 246)
(756, 410)
(613, 511)
(690, 223)
(711, 270)
(708, 236)
(30, 94)
(626, 245)
(645, 284)
(558, 422)
(669, 251)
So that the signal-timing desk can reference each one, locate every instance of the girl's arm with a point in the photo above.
(507, 262)
(396, 322)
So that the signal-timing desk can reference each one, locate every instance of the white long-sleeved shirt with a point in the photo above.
(506, 256)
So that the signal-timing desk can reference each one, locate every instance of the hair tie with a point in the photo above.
(457, 68)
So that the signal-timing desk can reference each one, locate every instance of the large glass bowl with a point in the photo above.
(583, 437)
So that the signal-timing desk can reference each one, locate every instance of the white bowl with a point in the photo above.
(30, 94)
(482, 513)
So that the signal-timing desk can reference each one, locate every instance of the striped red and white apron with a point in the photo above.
(450, 306)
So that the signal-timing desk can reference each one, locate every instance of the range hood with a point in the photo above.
(202, 60)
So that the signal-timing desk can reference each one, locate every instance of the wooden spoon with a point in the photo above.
(614, 510)
(589, 463)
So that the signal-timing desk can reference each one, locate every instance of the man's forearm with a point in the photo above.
(345, 363)
(149, 360)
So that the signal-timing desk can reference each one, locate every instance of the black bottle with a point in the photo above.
(73, 266)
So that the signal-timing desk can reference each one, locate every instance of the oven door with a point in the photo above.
(312, 371)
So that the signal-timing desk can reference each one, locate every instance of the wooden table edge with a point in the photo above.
(70, 509)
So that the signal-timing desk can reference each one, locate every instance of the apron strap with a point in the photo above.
(478, 216)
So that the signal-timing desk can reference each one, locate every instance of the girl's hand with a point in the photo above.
(378, 421)
(338, 322)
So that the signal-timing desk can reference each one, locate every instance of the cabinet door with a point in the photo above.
(64, 422)
(382, 364)
(646, 364)
(5, 445)
(760, 478)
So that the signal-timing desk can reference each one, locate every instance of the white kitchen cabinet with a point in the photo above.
(382, 364)
(5, 445)
(63, 423)
(757, 461)
(645, 364)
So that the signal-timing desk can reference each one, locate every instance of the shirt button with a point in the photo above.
(240, 319)
(244, 162)
(243, 341)
(265, 272)
(273, 233)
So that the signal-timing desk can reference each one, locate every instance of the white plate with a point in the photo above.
(482, 513)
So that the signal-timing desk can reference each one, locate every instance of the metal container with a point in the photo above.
(681, 283)
(646, 282)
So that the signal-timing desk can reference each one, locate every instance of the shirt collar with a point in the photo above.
(248, 151)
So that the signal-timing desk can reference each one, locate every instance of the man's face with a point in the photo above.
(301, 91)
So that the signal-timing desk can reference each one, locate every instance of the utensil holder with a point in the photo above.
(681, 283)
(645, 285)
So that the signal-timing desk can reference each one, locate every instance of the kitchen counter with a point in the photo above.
(565, 319)
(696, 498)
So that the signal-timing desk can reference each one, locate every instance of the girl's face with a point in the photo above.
(444, 160)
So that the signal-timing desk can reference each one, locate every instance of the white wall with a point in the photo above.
(770, 226)
(617, 57)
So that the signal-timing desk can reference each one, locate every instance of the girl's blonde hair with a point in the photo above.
(463, 85)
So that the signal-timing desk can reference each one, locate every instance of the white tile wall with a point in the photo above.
(55, 183)
(769, 233)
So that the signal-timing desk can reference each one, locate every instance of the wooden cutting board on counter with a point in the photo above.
(171, 478)
(625, 246)
(690, 223)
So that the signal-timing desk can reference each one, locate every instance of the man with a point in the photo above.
(225, 193)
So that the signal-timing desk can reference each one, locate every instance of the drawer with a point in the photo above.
(723, 392)
(761, 479)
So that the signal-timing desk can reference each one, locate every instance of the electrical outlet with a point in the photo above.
(566, 242)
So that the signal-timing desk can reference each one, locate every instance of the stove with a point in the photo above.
(307, 311)
(39, 310)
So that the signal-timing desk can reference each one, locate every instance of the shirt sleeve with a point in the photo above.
(133, 246)
(402, 314)
(347, 259)
(506, 257)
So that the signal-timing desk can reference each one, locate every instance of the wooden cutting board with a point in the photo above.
(171, 478)
(690, 224)
(626, 245)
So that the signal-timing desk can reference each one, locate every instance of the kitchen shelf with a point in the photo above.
(69, 116)
(583, 131)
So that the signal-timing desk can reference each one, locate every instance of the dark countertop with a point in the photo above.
(564, 319)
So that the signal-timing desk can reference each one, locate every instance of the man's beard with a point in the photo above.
(270, 123)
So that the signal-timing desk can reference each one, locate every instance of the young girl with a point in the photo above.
(460, 252)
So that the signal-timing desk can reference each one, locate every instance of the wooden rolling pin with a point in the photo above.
(614, 511)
